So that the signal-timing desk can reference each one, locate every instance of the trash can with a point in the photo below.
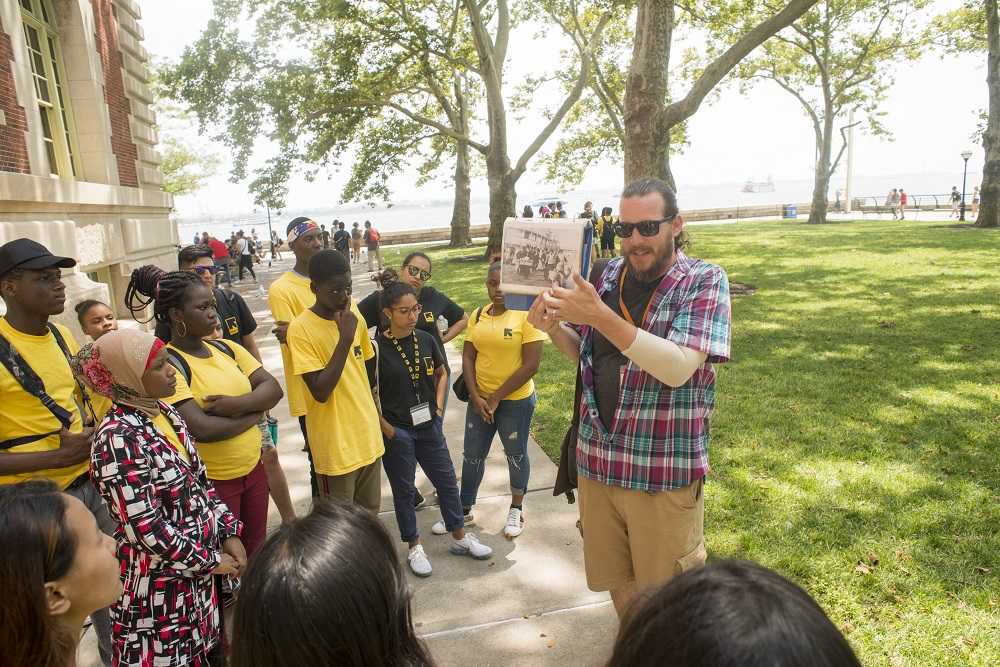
(789, 211)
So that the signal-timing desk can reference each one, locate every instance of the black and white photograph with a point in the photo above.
(536, 255)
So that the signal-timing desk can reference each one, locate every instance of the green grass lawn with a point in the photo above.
(855, 440)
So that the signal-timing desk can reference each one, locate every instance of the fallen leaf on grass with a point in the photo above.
(968, 348)
(886, 324)
(861, 568)
(982, 570)
(847, 628)
(968, 641)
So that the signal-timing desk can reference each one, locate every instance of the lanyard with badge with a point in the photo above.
(421, 412)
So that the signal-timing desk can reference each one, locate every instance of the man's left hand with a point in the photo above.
(580, 305)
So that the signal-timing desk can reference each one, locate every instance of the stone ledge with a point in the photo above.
(53, 192)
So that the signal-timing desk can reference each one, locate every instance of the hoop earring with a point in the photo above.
(182, 334)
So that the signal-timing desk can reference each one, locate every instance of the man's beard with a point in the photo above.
(660, 265)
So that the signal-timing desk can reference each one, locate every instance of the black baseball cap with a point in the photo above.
(32, 255)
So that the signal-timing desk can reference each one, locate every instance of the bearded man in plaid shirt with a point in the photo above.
(646, 339)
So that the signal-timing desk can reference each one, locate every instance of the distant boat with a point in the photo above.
(759, 186)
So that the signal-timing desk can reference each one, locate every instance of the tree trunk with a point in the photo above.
(821, 186)
(647, 146)
(989, 192)
(503, 198)
(461, 213)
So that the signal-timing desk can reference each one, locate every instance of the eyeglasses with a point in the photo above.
(341, 291)
(646, 227)
(415, 272)
(412, 310)
(201, 270)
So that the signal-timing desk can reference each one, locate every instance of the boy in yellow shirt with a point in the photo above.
(335, 359)
(288, 297)
(38, 439)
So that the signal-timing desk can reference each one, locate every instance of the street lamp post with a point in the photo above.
(965, 156)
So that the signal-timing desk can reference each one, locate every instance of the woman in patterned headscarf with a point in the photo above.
(173, 532)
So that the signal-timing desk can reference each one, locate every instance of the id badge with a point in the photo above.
(420, 413)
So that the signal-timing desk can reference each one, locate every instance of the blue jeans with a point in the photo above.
(512, 419)
(426, 446)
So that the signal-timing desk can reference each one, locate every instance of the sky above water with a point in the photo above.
(932, 111)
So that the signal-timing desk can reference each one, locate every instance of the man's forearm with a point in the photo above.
(566, 340)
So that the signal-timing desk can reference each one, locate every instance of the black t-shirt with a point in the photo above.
(342, 239)
(397, 391)
(608, 359)
(234, 316)
(434, 305)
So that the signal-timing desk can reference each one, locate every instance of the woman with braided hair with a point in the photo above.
(222, 391)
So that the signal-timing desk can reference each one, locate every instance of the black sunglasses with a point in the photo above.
(645, 227)
(204, 269)
(415, 272)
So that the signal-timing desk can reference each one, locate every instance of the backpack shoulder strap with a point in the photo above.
(84, 394)
(26, 376)
(219, 345)
(479, 314)
(180, 364)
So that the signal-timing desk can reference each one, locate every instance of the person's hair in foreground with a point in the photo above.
(730, 614)
(56, 568)
(326, 589)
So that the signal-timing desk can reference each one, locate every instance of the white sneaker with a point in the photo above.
(418, 562)
(471, 546)
(515, 523)
(439, 528)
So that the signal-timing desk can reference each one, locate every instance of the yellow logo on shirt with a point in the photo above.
(508, 333)
(429, 317)
(357, 352)
(429, 365)
(232, 325)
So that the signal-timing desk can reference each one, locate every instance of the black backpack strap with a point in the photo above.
(222, 347)
(84, 394)
(479, 313)
(26, 376)
(180, 364)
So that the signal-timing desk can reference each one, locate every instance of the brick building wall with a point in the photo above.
(119, 107)
(13, 144)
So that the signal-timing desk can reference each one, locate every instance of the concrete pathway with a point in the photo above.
(528, 605)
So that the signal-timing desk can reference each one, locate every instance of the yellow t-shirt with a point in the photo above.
(24, 414)
(220, 375)
(166, 429)
(288, 297)
(498, 342)
(344, 432)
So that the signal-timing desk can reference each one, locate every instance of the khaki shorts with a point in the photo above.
(362, 486)
(640, 537)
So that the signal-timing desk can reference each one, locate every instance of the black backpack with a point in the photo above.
(29, 380)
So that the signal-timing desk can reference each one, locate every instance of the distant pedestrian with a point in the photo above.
(356, 243)
(372, 240)
(326, 237)
(837, 205)
(902, 204)
(197, 240)
(220, 255)
(956, 199)
(559, 212)
(606, 226)
(892, 201)
(975, 201)
(544, 211)
(245, 255)
(527, 212)
(342, 241)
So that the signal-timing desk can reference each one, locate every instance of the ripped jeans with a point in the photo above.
(512, 419)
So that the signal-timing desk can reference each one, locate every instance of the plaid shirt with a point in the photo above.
(658, 437)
